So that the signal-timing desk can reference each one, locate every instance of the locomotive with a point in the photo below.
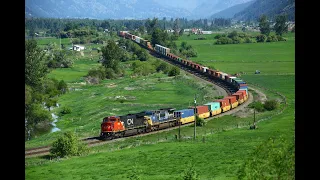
(153, 120)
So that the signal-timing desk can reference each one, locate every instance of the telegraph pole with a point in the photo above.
(195, 116)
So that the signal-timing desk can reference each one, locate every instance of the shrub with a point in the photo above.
(261, 38)
(272, 38)
(200, 121)
(110, 74)
(65, 110)
(257, 105)
(190, 173)
(68, 145)
(273, 159)
(280, 38)
(224, 40)
(164, 67)
(270, 105)
(174, 71)
(247, 40)
(237, 40)
(217, 36)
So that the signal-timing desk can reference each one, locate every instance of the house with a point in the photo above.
(78, 48)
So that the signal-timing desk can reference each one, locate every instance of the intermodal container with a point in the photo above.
(224, 104)
(243, 86)
(137, 39)
(214, 108)
(244, 93)
(202, 111)
(244, 89)
(233, 101)
(183, 113)
(239, 97)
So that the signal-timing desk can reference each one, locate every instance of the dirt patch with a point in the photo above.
(112, 85)
(245, 112)
(129, 88)
(261, 97)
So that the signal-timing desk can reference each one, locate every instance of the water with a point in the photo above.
(55, 119)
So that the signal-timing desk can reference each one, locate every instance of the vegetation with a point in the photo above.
(226, 146)
(68, 145)
(273, 159)
(40, 92)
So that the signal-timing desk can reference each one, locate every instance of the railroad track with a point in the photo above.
(93, 141)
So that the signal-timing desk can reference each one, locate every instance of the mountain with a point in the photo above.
(231, 11)
(213, 6)
(270, 8)
(189, 5)
(101, 9)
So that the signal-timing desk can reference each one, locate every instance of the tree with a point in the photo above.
(158, 37)
(111, 55)
(264, 25)
(281, 27)
(35, 66)
(141, 30)
(176, 27)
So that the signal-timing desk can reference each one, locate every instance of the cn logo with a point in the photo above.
(129, 121)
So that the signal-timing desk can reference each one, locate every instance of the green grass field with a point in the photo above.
(160, 156)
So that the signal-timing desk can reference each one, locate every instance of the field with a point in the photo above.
(221, 146)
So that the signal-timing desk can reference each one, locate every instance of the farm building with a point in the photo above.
(78, 48)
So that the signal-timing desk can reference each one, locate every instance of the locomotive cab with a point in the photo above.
(111, 127)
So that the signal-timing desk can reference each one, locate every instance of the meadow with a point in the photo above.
(221, 146)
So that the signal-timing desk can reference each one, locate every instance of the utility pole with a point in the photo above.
(254, 118)
(179, 128)
(195, 116)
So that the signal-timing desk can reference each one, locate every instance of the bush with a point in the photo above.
(174, 71)
(110, 74)
(261, 38)
(164, 67)
(237, 40)
(273, 159)
(190, 173)
(98, 73)
(280, 38)
(247, 40)
(200, 121)
(65, 110)
(63, 87)
(68, 145)
(224, 40)
(272, 38)
(270, 105)
(257, 105)
(217, 36)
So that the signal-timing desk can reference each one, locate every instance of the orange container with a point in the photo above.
(223, 102)
(238, 95)
(232, 99)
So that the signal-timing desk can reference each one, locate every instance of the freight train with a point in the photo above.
(152, 120)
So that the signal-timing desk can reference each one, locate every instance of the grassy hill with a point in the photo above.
(222, 146)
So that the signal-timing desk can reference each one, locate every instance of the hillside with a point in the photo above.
(230, 12)
(271, 8)
(213, 6)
